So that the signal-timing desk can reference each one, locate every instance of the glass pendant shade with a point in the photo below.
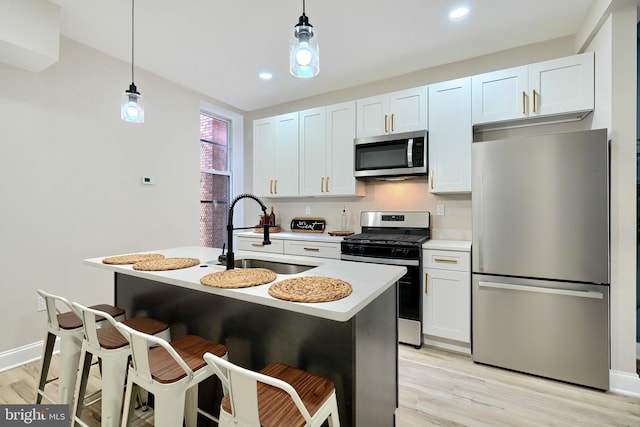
(132, 107)
(304, 58)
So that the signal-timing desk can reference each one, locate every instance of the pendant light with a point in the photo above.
(131, 108)
(304, 60)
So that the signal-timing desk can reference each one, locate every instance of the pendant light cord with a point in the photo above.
(132, 37)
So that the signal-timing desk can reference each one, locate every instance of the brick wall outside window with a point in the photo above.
(215, 180)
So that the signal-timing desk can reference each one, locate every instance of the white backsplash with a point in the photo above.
(455, 224)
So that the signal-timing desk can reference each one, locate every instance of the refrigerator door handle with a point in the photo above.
(480, 225)
(537, 289)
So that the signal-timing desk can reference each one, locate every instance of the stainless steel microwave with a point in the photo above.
(394, 155)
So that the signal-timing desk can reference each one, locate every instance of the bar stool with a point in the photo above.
(113, 351)
(171, 372)
(278, 395)
(68, 327)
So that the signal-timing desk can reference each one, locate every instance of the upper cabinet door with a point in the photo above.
(275, 156)
(450, 137)
(500, 95)
(408, 110)
(373, 116)
(341, 131)
(264, 135)
(286, 156)
(562, 85)
(313, 151)
(396, 112)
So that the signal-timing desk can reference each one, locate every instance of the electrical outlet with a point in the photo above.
(41, 304)
(440, 209)
(307, 210)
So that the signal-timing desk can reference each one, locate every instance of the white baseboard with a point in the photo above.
(22, 355)
(626, 383)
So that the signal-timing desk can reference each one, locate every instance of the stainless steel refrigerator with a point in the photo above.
(540, 256)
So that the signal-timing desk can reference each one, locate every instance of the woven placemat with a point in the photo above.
(166, 264)
(131, 259)
(310, 289)
(239, 278)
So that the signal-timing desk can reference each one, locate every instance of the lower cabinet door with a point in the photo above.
(447, 304)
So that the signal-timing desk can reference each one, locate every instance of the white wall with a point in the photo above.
(70, 180)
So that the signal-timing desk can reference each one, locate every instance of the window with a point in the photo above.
(215, 179)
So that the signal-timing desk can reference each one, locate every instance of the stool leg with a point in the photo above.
(127, 412)
(191, 406)
(81, 385)
(334, 419)
(69, 357)
(50, 341)
(169, 409)
(113, 382)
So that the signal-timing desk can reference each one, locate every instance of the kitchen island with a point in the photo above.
(352, 341)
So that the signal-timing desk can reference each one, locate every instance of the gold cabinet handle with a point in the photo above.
(311, 249)
(326, 185)
(322, 184)
(431, 173)
(448, 260)
(270, 186)
(392, 122)
(534, 100)
(258, 244)
(426, 283)
(524, 102)
(386, 127)
(275, 186)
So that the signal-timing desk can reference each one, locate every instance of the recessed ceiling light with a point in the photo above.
(265, 75)
(458, 12)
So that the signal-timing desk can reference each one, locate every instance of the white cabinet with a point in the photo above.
(246, 243)
(312, 248)
(563, 86)
(396, 112)
(450, 136)
(326, 151)
(309, 247)
(275, 156)
(447, 297)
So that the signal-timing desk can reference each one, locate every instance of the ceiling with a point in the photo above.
(218, 47)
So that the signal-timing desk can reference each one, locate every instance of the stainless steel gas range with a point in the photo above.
(395, 238)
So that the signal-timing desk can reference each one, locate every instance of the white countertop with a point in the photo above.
(448, 245)
(367, 280)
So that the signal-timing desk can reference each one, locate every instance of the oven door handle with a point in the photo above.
(389, 261)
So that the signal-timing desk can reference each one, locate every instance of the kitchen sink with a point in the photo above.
(275, 266)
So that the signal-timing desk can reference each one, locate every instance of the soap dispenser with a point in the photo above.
(343, 220)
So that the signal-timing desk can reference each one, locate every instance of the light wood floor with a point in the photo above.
(437, 388)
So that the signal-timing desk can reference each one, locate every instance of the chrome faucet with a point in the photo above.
(229, 257)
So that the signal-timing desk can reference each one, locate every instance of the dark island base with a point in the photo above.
(360, 355)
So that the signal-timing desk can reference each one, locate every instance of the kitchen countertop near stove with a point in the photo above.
(448, 245)
(367, 280)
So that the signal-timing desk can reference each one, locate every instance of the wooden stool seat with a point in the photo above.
(70, 320)
(278, 395)
(191, 348)
(276, 408)
(110, 338)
